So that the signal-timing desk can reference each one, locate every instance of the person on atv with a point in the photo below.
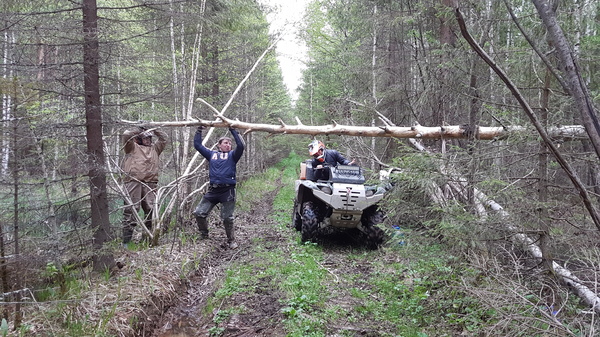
(323, 157)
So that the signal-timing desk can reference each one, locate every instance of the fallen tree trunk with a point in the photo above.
(556, 133)
(566, 276)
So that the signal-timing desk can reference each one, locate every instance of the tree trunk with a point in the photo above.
(6, 105)
(474, 119)
(95, 148)
(18, 281)
(573, 77)
(442, 112)
(558, 133)
(542, 211)
(4, 272)
(374, 76)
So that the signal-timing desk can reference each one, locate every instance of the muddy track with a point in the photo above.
(189, 315)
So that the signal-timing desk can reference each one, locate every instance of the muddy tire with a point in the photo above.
(374, 236)
(310, 222)
(296, 217)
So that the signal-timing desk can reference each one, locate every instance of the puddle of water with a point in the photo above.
(181, 328)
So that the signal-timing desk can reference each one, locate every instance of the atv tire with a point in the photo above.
(374, 236)
(310, 222)
(296, 217)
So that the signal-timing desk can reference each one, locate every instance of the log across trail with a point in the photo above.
(557, 133)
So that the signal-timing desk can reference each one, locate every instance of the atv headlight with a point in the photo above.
(326, 189)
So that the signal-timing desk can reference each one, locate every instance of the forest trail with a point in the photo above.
(190, 316)
(274, 285)
(266, 306)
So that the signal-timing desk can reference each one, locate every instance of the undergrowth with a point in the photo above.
(421, 283)
(416, 285)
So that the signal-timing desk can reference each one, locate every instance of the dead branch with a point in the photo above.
(557, 133)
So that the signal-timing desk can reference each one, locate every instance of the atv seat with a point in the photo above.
(307, 172)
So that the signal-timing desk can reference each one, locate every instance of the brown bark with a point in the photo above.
(95, 150)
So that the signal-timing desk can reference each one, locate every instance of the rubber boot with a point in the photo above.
(228, 224)
(202, 227)
(127, 233)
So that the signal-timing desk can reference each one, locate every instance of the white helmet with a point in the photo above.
(315, 146)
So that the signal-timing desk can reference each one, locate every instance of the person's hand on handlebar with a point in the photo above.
(324, 165)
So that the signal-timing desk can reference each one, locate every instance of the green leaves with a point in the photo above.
(4, 327)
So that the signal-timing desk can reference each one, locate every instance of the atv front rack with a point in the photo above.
(345, 174)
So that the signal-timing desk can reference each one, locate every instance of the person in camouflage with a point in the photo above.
(141, 169)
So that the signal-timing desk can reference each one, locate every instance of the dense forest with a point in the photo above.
(76, 74)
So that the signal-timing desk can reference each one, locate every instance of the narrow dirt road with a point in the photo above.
(273, 301)
(190, 315)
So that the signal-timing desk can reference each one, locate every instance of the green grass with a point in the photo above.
(397, 296)
(417, 289)
(256, 188)
(284, 200)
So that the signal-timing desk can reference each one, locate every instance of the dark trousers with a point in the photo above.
(217, 195)
(142, 195)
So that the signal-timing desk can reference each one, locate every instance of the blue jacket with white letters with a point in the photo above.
(221, 165)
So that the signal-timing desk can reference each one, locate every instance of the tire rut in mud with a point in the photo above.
(190, 315)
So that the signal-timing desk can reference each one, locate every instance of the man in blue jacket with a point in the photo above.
(221, 173)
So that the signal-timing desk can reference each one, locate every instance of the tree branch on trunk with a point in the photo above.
(577, 285)
(576, 84)
(458, 186)
(541, 55)
(583, 193)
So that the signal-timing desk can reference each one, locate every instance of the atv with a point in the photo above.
(332, 199)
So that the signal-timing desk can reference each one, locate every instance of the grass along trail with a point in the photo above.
(274, 285)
